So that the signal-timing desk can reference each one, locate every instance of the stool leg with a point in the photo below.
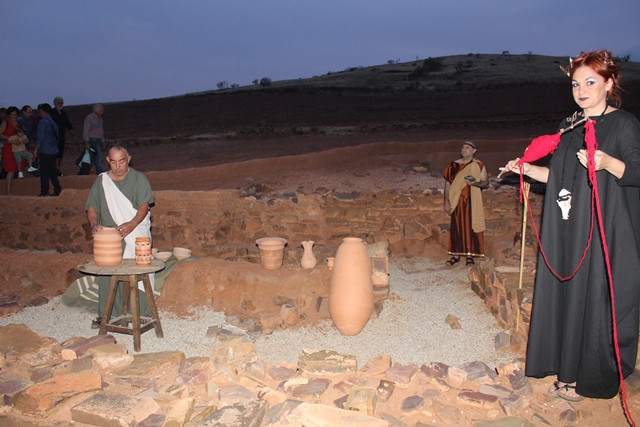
(126, 291)
(151, 301)
(111, 297)
(135, 312)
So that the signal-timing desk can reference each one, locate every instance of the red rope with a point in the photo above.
(592, 145)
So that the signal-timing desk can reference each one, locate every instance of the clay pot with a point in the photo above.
(107, 247)
(271, 252)
(308, 259)
(351, 290)
(143, 251)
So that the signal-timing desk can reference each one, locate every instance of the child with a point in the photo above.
(85, 160)
(19, 146)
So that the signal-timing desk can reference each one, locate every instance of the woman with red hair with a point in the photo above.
(571, 333)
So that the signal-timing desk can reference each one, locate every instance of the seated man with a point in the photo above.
(120, 198)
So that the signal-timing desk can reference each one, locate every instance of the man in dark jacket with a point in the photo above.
(64, 124)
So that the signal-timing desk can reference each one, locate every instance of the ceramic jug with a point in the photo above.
(351, 290)
(308, 259)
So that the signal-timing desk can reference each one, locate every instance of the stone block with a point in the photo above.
(324, 361)
(401, 374)
(326, 416)
(385, 389)
(80, 348)
(110, 409)
(476, 399)
(361, 399)
(376, 366)
(179, 412)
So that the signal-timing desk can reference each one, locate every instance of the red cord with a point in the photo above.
(592, 146)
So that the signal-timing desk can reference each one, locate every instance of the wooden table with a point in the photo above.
(129, 273)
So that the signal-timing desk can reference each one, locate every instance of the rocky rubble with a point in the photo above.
(92, 381)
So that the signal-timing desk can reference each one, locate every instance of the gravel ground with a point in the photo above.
(411, 327)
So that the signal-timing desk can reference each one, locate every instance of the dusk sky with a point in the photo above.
(103, 51)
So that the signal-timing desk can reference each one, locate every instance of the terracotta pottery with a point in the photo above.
(271, 252)
(143, 251)
(351, 291)
(107, 247)
(308, 259)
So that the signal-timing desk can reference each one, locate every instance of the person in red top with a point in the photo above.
(8, 129)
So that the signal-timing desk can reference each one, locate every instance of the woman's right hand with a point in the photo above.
(512, 166)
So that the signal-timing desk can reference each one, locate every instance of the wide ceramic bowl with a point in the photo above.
(181, 253)
(163, 255)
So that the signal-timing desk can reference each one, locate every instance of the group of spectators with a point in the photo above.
(36, 142)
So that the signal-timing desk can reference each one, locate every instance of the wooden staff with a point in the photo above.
(522, 243)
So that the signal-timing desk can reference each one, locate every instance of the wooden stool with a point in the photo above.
(129, 274)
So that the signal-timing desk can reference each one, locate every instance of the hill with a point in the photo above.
(463, 92)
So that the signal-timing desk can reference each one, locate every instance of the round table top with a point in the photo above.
(126, 267)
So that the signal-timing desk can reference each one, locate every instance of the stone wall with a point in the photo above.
(226, 223)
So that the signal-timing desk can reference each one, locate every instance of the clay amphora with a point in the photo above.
(143, 251)
(308, 259)
(107, 247)
(351, 290)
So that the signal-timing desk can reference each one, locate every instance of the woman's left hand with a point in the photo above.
(600, 158)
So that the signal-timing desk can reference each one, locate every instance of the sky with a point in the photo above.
(90, 51)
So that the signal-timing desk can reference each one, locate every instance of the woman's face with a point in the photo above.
(590, 90)
(13, 116)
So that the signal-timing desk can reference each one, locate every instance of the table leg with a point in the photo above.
(108, 308)
(151, 301)
(126, 291)
(135, 312)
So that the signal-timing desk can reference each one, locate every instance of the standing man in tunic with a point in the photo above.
(464, 180)
(120, 198)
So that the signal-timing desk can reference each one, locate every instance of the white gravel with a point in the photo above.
(411, 327)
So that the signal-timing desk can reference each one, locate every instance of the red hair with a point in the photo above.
(602, 62)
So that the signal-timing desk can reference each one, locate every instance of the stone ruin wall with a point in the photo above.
(225, 224)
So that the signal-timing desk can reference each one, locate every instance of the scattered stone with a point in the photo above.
(80, 348)
(42, 374)
(110, 356)
(401, 374)
(277, 414)
(505, 422)
(288, 314)
(477, 399)
(569, 415)
(494, 390)
(502, 340)
(315, 387)
(385, 389)
(322, 305)
(179, 412)
(511, 404)
(341, 401)
(376, 366)
(456, 377)
(234, 416)
(212, 331)
(435, 370)
(325, 361)
(515, 374)
(411, 403)
(41, 397)
(236, 395)
(393, 421)
(539, 419)
(113, 409)
(81, 364)
(236, 350)
(153, 420)
(479, 372)
(12, 387)
(361, 399)
(27, 345)
(453, 321)
(145, 363)
(257, 369)
(323, 415)
(280, 373)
